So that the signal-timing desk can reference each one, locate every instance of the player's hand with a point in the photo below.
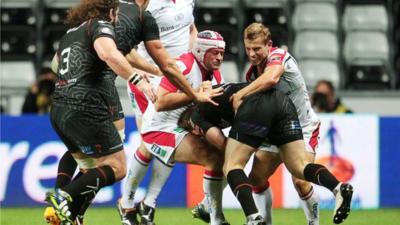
(206, 85)
(236, 101)
(145, 87)
(206, 94)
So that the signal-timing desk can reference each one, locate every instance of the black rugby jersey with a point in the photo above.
(80, 83)
(131, 28)
(207, 115)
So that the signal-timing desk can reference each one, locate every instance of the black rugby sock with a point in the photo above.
(66, 169)
(319, 174)
(91, 182)
(242, 189)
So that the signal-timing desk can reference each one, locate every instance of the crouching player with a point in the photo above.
(267, 116)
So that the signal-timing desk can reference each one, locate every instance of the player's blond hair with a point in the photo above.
(256, 30)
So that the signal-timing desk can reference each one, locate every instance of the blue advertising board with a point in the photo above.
(30, 150)
(389, 162)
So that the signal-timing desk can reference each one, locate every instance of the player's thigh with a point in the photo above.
(237, 154)
(119, 124)
(144, 151)
(194, 150)
(294, 155)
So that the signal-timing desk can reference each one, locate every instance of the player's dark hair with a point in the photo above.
(184, 119)
(89, 9)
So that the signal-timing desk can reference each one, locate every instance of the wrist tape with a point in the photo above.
(135, 78)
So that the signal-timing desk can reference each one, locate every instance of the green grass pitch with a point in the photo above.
(182, 216)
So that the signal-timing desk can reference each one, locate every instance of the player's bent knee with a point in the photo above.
(301, 185)
(256, 179)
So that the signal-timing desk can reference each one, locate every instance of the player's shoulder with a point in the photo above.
(277, 51)
(218, 77)
(185, 62)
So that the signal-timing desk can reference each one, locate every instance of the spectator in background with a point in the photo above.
(38, 99)
(325, 100)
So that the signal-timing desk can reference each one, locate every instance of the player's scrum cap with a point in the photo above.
(205, 41)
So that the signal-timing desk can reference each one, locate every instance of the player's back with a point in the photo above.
(80, 83)
(174, 19)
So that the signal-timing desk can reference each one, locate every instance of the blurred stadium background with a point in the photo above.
(353, 43)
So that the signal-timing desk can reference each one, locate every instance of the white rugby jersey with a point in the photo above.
(291, 82)
(174, 18)
(167, 120)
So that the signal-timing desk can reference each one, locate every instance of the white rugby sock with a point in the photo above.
(311, 207)
(224, 184)
(263, 200)
(137, 169)
(159, 176)
(212, 185)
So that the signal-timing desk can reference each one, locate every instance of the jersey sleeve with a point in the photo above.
(276, 57)
(101, 28)
(150, 27)
(166, 84)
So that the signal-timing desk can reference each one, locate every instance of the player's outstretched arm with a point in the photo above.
(107, 51)
(137, 61)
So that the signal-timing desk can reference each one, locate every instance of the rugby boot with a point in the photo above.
(225, 223)
(128, 217)
(146, 214)
(259, 220)
(61, 201)
(50, 216)
(200, 212)
(343, 202)
(79, 220)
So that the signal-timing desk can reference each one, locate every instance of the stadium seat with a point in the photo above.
(367, 61)
(368, 77)
(55, 12)
(220, 16)
(18, 42)
(305, 1)
(364, 2)
(266, 4)
(316, 45)
(315, 70)
(276, 21)
(18, 29)
(364, 48)
(217, 3)
(315, 16)
(16, 77)
(365, 17)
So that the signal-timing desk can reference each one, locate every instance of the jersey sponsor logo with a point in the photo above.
(293, 125)
(88, 150)
(179, 130)
(64, 83)
(158, 150)
(180, 16)
(275, 58)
